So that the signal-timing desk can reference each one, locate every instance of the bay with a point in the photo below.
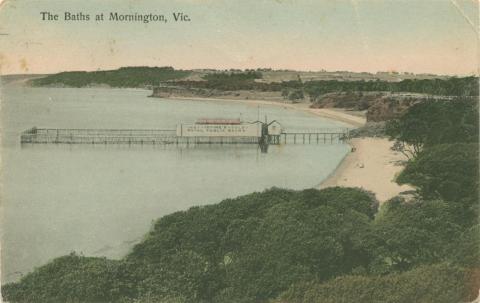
(99, 200)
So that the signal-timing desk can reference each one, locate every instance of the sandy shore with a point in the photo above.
(354, 121)
(372, 166)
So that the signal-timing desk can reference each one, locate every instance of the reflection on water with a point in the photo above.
(100, 199)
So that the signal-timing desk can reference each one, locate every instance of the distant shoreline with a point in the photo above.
(353, 120)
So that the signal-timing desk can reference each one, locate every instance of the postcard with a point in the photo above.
(272, 151)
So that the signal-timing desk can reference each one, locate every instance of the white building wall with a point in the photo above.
(219, 130)
(275, 129)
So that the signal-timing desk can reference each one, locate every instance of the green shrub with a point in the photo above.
(70, 278)
(440, 283)
(446, 171)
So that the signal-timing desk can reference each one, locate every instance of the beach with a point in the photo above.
(371, 164)
(334, 114)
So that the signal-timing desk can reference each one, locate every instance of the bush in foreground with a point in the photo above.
(71, 278)
(440, 283)
(247, 249)
(255, 247)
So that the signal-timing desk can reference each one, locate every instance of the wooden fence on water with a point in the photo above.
(169, 136)
(323, 136)
(123, 136)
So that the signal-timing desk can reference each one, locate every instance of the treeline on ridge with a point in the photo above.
(246, 80)
(466, 86)
(140, 76)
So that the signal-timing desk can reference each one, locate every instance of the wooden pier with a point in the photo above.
(169, 136)
(323, 136)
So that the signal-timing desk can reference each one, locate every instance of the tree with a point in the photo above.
(71, 278)
(440, 283)
(445, 171)
(434, 122)
(295, 95)
(468, 250)
(241, 250)
(416, 232)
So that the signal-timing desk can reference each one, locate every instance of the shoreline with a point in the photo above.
(337, 115)
(370, 164)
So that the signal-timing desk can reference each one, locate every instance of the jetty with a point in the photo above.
(204, 131)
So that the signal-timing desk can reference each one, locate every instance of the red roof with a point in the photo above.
(218, 121)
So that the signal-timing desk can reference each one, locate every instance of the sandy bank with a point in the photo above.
(372, 166)
(338, 115)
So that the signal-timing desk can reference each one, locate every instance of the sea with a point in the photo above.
(100, 200)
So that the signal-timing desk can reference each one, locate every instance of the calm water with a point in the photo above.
(100, 200)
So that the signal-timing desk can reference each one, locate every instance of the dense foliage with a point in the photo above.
(123, 77)
(70, 278)
(255, 246)
(228, 83)
(414, 233)
(445, 171)
(437, 283)
(467, 86)
(435, 122)
(246, 249)
(237, 76)
(428, 246)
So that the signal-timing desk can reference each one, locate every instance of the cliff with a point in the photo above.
(379, 106)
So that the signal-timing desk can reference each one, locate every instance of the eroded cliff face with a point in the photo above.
(388, 108)
(351, 100)
(380, 106)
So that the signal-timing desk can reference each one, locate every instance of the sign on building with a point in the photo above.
(219, 130)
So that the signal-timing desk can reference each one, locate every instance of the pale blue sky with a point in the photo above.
(431, 36)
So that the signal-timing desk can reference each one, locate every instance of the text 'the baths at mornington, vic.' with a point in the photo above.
(114, 17)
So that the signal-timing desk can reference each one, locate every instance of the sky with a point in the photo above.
(419, 36)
